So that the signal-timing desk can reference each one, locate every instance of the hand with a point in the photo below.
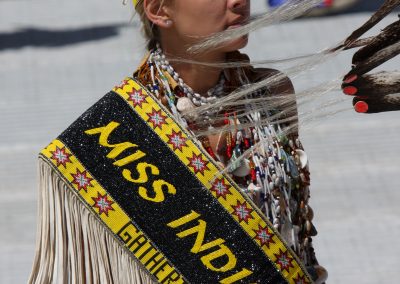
(377, 92)
(373, 93)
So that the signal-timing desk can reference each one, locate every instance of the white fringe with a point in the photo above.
(72, 245)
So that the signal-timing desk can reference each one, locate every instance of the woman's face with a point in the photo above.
(197, 19)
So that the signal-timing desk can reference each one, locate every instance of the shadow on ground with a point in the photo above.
(36, 37)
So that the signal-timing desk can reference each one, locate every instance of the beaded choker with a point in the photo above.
(158, 58)
(183, 99)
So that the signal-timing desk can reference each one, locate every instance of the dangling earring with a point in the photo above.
(168, 22)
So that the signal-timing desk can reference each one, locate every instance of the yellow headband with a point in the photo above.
(135, 2)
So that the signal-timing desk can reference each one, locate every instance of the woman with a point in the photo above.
(174, 27)
(98, 231)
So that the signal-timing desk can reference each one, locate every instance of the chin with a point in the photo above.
(236, 44)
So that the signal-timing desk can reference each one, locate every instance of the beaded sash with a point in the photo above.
(163, 198)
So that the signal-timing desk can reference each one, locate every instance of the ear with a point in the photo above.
(158, 14)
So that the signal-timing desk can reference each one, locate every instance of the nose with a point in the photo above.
(238, 5)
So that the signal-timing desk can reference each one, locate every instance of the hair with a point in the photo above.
(150, 31)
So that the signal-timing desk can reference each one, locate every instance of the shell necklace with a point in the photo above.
(158, 58)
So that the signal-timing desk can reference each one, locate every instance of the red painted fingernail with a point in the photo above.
(350, 90)
(350, 78)
(361, 107)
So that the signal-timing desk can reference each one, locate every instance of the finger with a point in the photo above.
(390, 35)
(387, 103)
(377, 59)
(372, 85)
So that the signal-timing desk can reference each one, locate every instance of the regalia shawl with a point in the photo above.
(127, 195)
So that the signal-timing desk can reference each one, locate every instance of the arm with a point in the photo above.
(284, 98)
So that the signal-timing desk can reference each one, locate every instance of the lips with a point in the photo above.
(231, 27)
(238, 23)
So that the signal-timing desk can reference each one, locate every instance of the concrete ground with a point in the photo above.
(58, 58)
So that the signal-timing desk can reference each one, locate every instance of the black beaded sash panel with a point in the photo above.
(154, 187)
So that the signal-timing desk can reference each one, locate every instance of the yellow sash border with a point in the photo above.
(192, 155)
(97, 199)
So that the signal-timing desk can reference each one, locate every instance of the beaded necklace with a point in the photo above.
(275, 173)
(184, 99)
(158, 58)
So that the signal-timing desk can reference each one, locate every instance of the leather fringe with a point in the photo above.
(72, 245)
